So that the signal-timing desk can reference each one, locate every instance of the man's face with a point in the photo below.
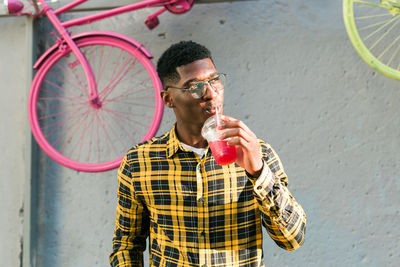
(187, 108)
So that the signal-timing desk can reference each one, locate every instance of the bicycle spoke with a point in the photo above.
(89, 125)
(80, 117)
(66, 81)
(116, 121)
(82, 78)
(117, 63)
(139, 104)
(60, 106)
(79, 81)
(96, 66)
(388, 47)
(100, 140)
(69, 129)
(107, 90)
(117, 118)
(128, 77)
(125, 77)
(107, 135)
(87, 137)
(79, 143)
(60, 124)
(105, 64)
(380, 28)
(127, 118)
(393, 56)
(371, 26)
(98, 145)
(134, 97)
(93, 61)
(108, 150)
(57, 114)
(57, 96)
(100, 64)
(372, 16)
(90, 136)
(127, 114)
(386, 33)
(129, 92)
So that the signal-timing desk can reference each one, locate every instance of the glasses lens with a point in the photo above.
(197, 89)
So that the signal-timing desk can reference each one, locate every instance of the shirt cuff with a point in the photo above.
(265, 182)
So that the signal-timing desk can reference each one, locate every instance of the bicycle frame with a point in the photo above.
(108, 13)
(65, 36)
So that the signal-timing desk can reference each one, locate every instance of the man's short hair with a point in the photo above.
(179, 54)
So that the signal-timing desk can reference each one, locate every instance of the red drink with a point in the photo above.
(223, 153)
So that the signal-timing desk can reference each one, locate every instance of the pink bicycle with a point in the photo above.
(96, 93)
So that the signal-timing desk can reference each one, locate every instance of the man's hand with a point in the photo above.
(247, 147)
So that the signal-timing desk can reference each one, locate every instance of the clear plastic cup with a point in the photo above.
(223, 153)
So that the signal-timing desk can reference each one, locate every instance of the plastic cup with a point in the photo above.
(223, 153)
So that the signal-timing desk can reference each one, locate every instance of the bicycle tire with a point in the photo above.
(373, 28)
(70, 129)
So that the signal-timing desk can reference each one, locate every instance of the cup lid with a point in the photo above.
(209, 128)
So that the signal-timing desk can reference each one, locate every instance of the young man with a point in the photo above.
(196, 212)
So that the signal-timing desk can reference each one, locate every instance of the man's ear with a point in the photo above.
(167, 99)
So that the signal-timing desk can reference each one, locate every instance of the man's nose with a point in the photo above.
(210, 92)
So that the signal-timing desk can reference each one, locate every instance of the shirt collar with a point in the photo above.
(173, 143)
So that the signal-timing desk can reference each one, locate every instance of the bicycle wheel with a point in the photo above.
(79, 135)
(374, 30)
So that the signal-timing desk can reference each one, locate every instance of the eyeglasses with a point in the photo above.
(198, 89)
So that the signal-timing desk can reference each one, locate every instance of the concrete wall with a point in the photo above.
(297, 82)
(14, 133)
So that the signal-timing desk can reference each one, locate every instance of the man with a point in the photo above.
(196, 212)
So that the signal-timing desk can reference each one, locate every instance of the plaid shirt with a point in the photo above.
(198, 213)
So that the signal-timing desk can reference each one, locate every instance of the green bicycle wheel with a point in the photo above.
(373, 27)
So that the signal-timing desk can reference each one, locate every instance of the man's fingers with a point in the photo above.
(229, 122)
(236, 132)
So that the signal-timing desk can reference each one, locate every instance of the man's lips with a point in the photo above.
(211, 109)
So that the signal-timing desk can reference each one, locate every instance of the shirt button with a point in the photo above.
(201, 200)
(259, 187)
(204, 265)
(203, 234)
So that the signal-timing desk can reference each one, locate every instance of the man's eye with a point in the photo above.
(213, 80)
(195, 86)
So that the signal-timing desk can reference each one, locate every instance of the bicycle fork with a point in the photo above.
(66, 37)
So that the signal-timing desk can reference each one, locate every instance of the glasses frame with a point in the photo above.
(192, 91)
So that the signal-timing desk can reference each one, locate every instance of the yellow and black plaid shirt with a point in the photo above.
(198, 213)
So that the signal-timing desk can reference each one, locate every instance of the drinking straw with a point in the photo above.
(217, 116)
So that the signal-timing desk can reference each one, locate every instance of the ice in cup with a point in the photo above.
(223, 153)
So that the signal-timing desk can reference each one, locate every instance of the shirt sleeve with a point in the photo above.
(282, 216)
(132, 223)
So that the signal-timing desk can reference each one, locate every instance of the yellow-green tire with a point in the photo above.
(359, 44)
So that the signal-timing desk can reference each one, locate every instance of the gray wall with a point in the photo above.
(14, 133)
(296, 81)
